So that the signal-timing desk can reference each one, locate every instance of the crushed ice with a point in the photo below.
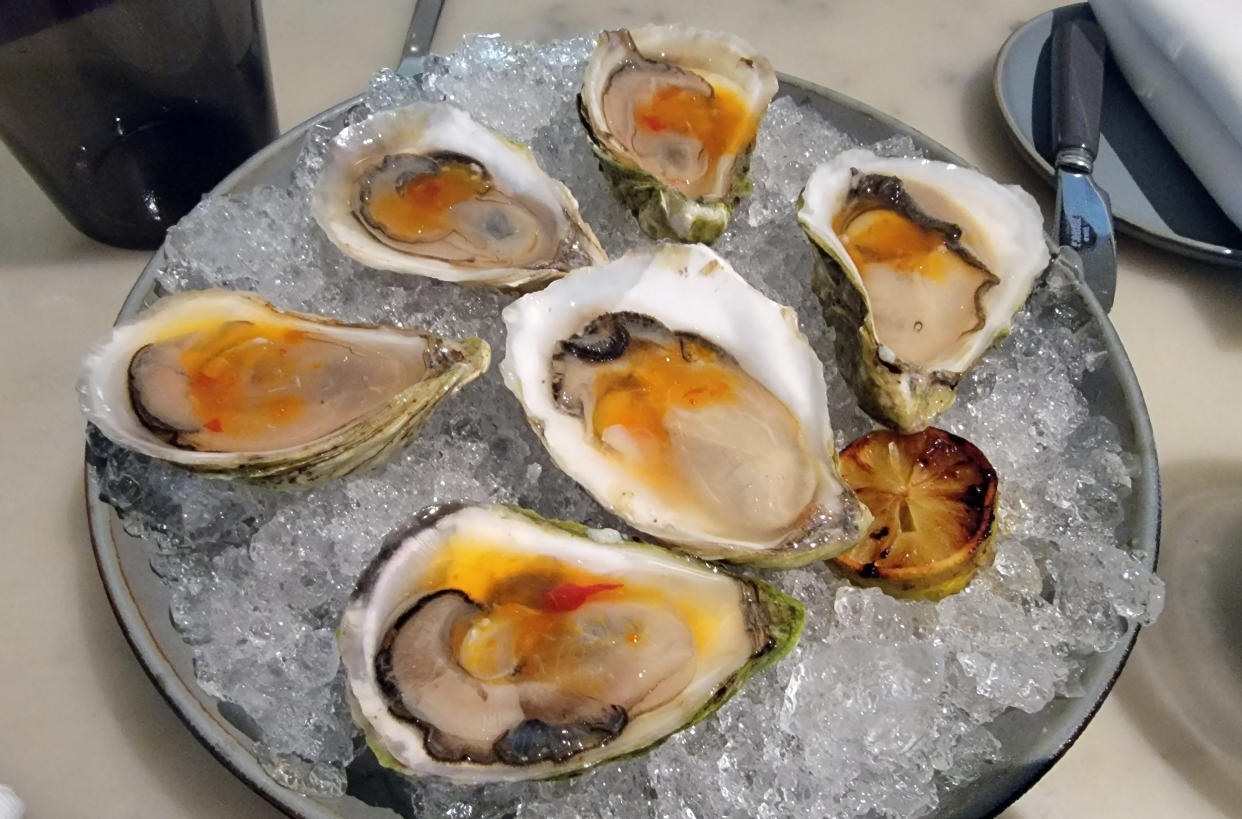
(883, 704)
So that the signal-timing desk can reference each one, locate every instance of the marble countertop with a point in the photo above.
(84, 733)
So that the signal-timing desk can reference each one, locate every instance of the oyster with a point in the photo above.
(425, 189)
(223, 383)
(485, 643)
(672, 114)
(688, 404)
(922, 266)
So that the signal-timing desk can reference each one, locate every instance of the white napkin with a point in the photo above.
(1183, 60)
(10, 806)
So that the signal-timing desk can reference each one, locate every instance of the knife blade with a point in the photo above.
(1083, 217)
(418, 38)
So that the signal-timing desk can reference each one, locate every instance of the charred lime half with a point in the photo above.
(933, 499)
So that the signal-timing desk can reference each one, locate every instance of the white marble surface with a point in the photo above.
(83, 732)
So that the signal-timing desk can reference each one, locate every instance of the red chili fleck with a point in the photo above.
(693, 394)
(569, 596)
(652, 123)
(214, 425)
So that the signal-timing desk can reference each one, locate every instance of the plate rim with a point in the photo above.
(210, 729)
(1002, 66)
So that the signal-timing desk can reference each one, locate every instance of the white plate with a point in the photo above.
(1155, 197)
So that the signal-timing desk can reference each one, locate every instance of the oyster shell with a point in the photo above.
(922, 266)
(425, 189)
(225, 384)
(485, 644)
(688, 404)
(672, 113)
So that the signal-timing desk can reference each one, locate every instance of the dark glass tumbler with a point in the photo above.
(127, 111)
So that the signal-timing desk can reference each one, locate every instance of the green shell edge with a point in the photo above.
(796, 555)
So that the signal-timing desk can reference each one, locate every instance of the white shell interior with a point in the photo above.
(1001, 224)
(688, 288)
(399, 584)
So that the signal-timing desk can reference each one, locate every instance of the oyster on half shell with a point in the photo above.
(223, 383)
(688, 404)
(922, 265)
(672, 113)
(425, 189)
(486, 644)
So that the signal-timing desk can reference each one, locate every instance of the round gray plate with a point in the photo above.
(1155, 197)
(1032, 742)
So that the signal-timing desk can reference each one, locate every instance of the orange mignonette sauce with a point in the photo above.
(529, 601)
(924, 293)
(719, 121)
(240, 376)
(637, 394)
(422, 205)
(887, 236)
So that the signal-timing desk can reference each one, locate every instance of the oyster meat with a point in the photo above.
(425, 189)
(223, 383)
(922, 266)
(487, 644)
(688, 404)
(672, 114)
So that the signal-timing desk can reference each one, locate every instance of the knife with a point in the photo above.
(418, 38)
(1083, 218)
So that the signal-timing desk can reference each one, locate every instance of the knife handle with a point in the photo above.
(1078, 49)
